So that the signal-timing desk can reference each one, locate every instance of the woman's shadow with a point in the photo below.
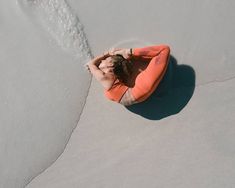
(172, 94)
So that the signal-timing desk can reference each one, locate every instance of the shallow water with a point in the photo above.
(43, 85)
(57, 17)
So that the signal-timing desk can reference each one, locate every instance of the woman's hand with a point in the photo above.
(125, 52)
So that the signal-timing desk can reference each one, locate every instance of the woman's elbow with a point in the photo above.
(167, 48)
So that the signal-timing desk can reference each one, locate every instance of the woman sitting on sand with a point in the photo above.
(123, 82)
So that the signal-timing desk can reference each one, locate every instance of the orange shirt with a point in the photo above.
(147, 81)
(116, 92)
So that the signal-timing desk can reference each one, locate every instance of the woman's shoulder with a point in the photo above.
(111, 80)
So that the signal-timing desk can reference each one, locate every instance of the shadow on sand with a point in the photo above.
(172, 94)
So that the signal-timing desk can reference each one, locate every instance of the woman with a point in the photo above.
(115, 70)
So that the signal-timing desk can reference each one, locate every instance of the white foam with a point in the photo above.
(57, 17)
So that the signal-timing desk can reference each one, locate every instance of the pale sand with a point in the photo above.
(185, 138)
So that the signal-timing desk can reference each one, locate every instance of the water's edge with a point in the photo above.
(58, 19)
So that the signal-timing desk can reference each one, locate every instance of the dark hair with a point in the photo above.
(122, 68)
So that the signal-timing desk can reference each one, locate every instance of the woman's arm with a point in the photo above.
(105, 79)
(93, 65)
(145, 52)
(125, 52)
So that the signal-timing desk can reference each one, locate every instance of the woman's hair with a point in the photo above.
(122, 68)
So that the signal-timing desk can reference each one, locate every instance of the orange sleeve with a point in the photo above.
(149, 51)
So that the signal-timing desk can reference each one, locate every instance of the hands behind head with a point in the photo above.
(96, 61)
(125, 52)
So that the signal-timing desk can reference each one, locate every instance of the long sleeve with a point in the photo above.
(149, 51)
(147, 81)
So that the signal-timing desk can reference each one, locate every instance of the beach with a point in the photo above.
(58, 130)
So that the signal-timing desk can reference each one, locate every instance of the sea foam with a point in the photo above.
(58, 18)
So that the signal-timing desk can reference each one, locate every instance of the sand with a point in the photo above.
(58, 130)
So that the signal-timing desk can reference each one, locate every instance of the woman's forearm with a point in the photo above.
(94, 63)
(97, 60)
(125, 52)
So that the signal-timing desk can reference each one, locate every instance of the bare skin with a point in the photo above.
(101, 67)
(103, 74)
